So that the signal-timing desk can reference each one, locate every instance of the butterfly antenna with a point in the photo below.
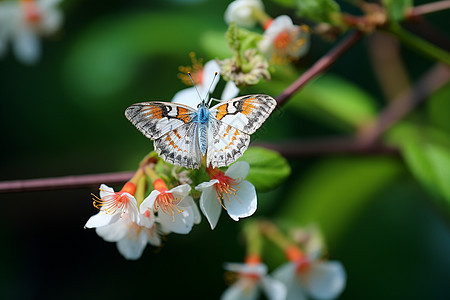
(209, 89)
(189, 73)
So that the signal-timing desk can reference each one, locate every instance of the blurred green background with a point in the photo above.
(65, 116)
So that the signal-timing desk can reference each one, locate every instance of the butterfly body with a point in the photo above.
(184, 135)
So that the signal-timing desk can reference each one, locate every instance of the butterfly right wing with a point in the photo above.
(155, 119)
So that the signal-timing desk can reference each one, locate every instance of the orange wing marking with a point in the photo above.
(223, 111)
(155, 111)
(247, 106)
(183, 114)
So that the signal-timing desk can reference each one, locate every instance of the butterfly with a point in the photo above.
(185, 136)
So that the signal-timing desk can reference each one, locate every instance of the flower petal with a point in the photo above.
(27, 46)
(181, 191)
(274, 289)
(132, 246)
(256, 269)
(209, 71)
(210, 206)
(206, 185)
(113, 232)
(230, 91)
(105, 190)
(326, 280)
(243, 204)
(241, 290)
(153, 236)
(286, 274)
(189, 202)
(102, 219)
(188, 96)
(238, 170)
(149, 202)
(180, 223)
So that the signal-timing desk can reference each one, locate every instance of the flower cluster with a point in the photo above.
(305, 275)
(133, 219)
(22, 22)
(281, 42)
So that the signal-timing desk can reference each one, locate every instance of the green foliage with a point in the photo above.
(336, 191)
(268, 169)
(438, 108)
(286, 3)
(397, 9)
(427, 154)
(335, 101)
(327, 11)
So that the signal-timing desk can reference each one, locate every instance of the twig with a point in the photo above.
(407, 101)
(68, 182)
(320, 66)
(428, 8)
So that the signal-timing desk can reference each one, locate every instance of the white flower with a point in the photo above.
(177, 211)
(113, 205)
(284, 41)
(203, 79)
(230, 190)
(310, 277)
(130, 237)
(23, 21)
(252, 278)
(243, 12)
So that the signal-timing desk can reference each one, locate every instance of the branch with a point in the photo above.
(407, 101)
(428, 8)
(68, 182)
(320, 66)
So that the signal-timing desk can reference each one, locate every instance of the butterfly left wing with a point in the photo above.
(246, 113)
(170, 126)
(180, 146)
(155, 119)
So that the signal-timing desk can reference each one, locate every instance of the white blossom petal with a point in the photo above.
(105, 190)
(287, 275)
(181, 191)
(238, 170)
(326, 280)
(241, 12)
(132, 246)
(102, 219)
(210, 205)
(189, 202)
(113, 232)
(257, 269)
(180, 223)
(274, 289)
(149, 202)
(206, 185)
(153, 237)
(229, 91)
(26, 46)
(188, 96)
(243, 204)
(209, 71)
(241, 290)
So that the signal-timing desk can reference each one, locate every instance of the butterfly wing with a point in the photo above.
(170, 126)
(246, 113)
(180, 146)
(155, 119)
(225, 144)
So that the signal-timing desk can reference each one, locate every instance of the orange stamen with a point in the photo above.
(282, 40)
(31, 11)
(295, 255)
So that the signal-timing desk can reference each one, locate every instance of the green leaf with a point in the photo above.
(286, 3)
(268, 169)
(327, 11)
(397, 9)
(335, 191)
(335, 101)
(427, 154)
(438, 108)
